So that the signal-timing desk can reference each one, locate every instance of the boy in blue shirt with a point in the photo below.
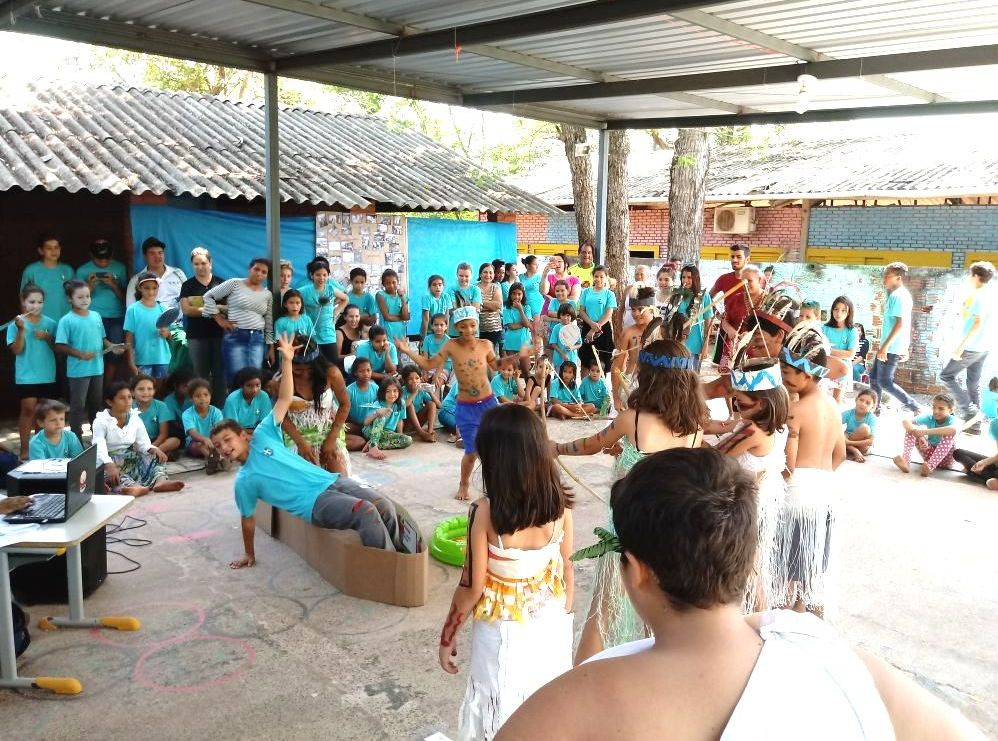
(593, 390)
(382, 355)
(421, 405)
(860, 424)
(53, 440)
(934, 434)
(359, 297)
(50, 275)
(248, 404)
(319, 497)
(505, 384)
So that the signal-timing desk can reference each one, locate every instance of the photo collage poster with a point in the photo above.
(374, 242)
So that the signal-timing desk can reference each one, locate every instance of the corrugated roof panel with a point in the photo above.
(117, 139)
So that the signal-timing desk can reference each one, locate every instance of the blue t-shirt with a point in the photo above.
(515, 339)
(993, 429)
(501, 387)
(393, 419)
(155, 414)
(394, 306)
(202, 425)
(898, 306)
(364, 301)
(553, 322)
(68, 446)
(36, 362)
(103, 299)
(321, 314)
(558, 359)
(694, 340)
(449, 403)
(436, 305)
(596, 302)
(268, 469)
(975, 305)
(594, 392)
(841, 338)
(560, 392)
(150, 348)
(431, 346)
(288, 326)
(532, 289)
(927, 420)
(365, 350)
(247, 414)
(86, 334)
(464, 297)
(176, 411)
(50, 280)
(362, 402)
(852, 422)
(418, 400)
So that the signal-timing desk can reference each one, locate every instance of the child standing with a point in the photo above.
(80, 335)
(432, 343)
(517, 318)
(421, 405)
(292, 321)
(53, 440)
(506, 385)
(197, 422)
(383, 426)
(392, 306)
(561, 352)
(560, 299)
(565, 403)
(593, 390)
(359, 297)
(435, 303)
(147, 347)
(247, 404)
(596, 309)
(531, 282)
(934, 434)
(517, 582)
(843, 340)
(155, 415)
(383, 356)
(132, 464)
(665, 278)
(49, 274)
(30, 338)
(860, 424)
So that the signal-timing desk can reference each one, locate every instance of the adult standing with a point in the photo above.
(583, 270)
(694, 301)
(895, 338)
(554, 271)
(735, 308)
(249, 321)
(490, 316)
(106, 278)
(204, 334)
(322, 299)
(170, 278)
(287, 274)
(531, 282)
(49, 274)
(465, 294)
(972, 346)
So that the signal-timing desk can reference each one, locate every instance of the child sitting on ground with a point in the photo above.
(934, 434)
(363, 398)
(448, 414)
(174, 395)
(52, 439)
(860, 424)
(155, 415)
(382, 354)
(421, 405)
(593, 390)
(564, 400)
(383, 426)
(506, 383)
(197, 422)
(248, 404)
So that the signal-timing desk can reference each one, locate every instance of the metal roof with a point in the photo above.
(616, 63)
(140, 141)
(894, 167)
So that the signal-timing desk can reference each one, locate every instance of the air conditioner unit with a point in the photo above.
(734, 219)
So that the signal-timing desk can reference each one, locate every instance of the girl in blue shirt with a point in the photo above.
(843, 338)
(322, 299)
(155, 415)
(517, 318)
(433, 303)
(147, 346)
(563, 397)
(247, 404)
(421, 405)
(293, 321)
(596, 307)
(383, 426)
(393, 306)
(438, 337)
(30, 338)
(531, 282)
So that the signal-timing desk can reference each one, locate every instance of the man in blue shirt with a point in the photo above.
(895, 338)
(320, 497)
(972, 345)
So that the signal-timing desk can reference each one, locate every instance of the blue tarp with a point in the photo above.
(436, 246)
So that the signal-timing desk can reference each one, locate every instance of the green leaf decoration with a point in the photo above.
(607, 543)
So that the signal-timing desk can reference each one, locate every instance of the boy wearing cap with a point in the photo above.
(107, 278)
(472, 357)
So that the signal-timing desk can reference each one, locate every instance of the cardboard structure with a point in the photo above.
(367, 573)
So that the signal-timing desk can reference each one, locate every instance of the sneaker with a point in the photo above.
(212, 463)
(973, 429)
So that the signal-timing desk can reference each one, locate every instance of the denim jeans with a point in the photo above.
(882, 379)
(967, 399)
(206, 357)
(242, 348)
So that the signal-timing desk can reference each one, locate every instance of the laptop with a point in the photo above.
(81, 479)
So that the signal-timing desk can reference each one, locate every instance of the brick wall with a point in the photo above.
(774, 227)
(531, 227)
(650, 226)
(959, 229)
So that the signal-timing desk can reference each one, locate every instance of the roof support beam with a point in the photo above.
(773, 43)
(325, 12)
(831, 69)
(816, 116)
(487, 32)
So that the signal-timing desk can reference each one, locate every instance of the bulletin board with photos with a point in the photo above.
(374, 242)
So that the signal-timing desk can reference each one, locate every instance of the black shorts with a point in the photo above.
(37, 390)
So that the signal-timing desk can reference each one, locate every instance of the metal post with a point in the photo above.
(272, 174)
(601, 171)
(8, 657)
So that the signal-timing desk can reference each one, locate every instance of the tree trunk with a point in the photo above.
(618, 218)
(687, 190)
(583, 191)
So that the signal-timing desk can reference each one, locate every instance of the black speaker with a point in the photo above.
(45, 582)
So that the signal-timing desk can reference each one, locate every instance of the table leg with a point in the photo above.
(8, 657)
(76, 619)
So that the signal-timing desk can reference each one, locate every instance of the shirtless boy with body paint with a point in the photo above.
(471, 357)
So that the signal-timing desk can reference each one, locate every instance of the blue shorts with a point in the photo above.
(469, 416)
(156, 371)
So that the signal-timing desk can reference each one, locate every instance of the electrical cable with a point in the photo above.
(120, 527)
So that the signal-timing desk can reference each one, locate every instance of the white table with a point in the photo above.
(55, 539)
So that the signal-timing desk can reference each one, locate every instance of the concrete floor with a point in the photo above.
(275, 652)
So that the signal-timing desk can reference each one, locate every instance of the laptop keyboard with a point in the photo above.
(47, 505)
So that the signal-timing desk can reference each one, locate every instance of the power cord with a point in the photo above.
(120, 527)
